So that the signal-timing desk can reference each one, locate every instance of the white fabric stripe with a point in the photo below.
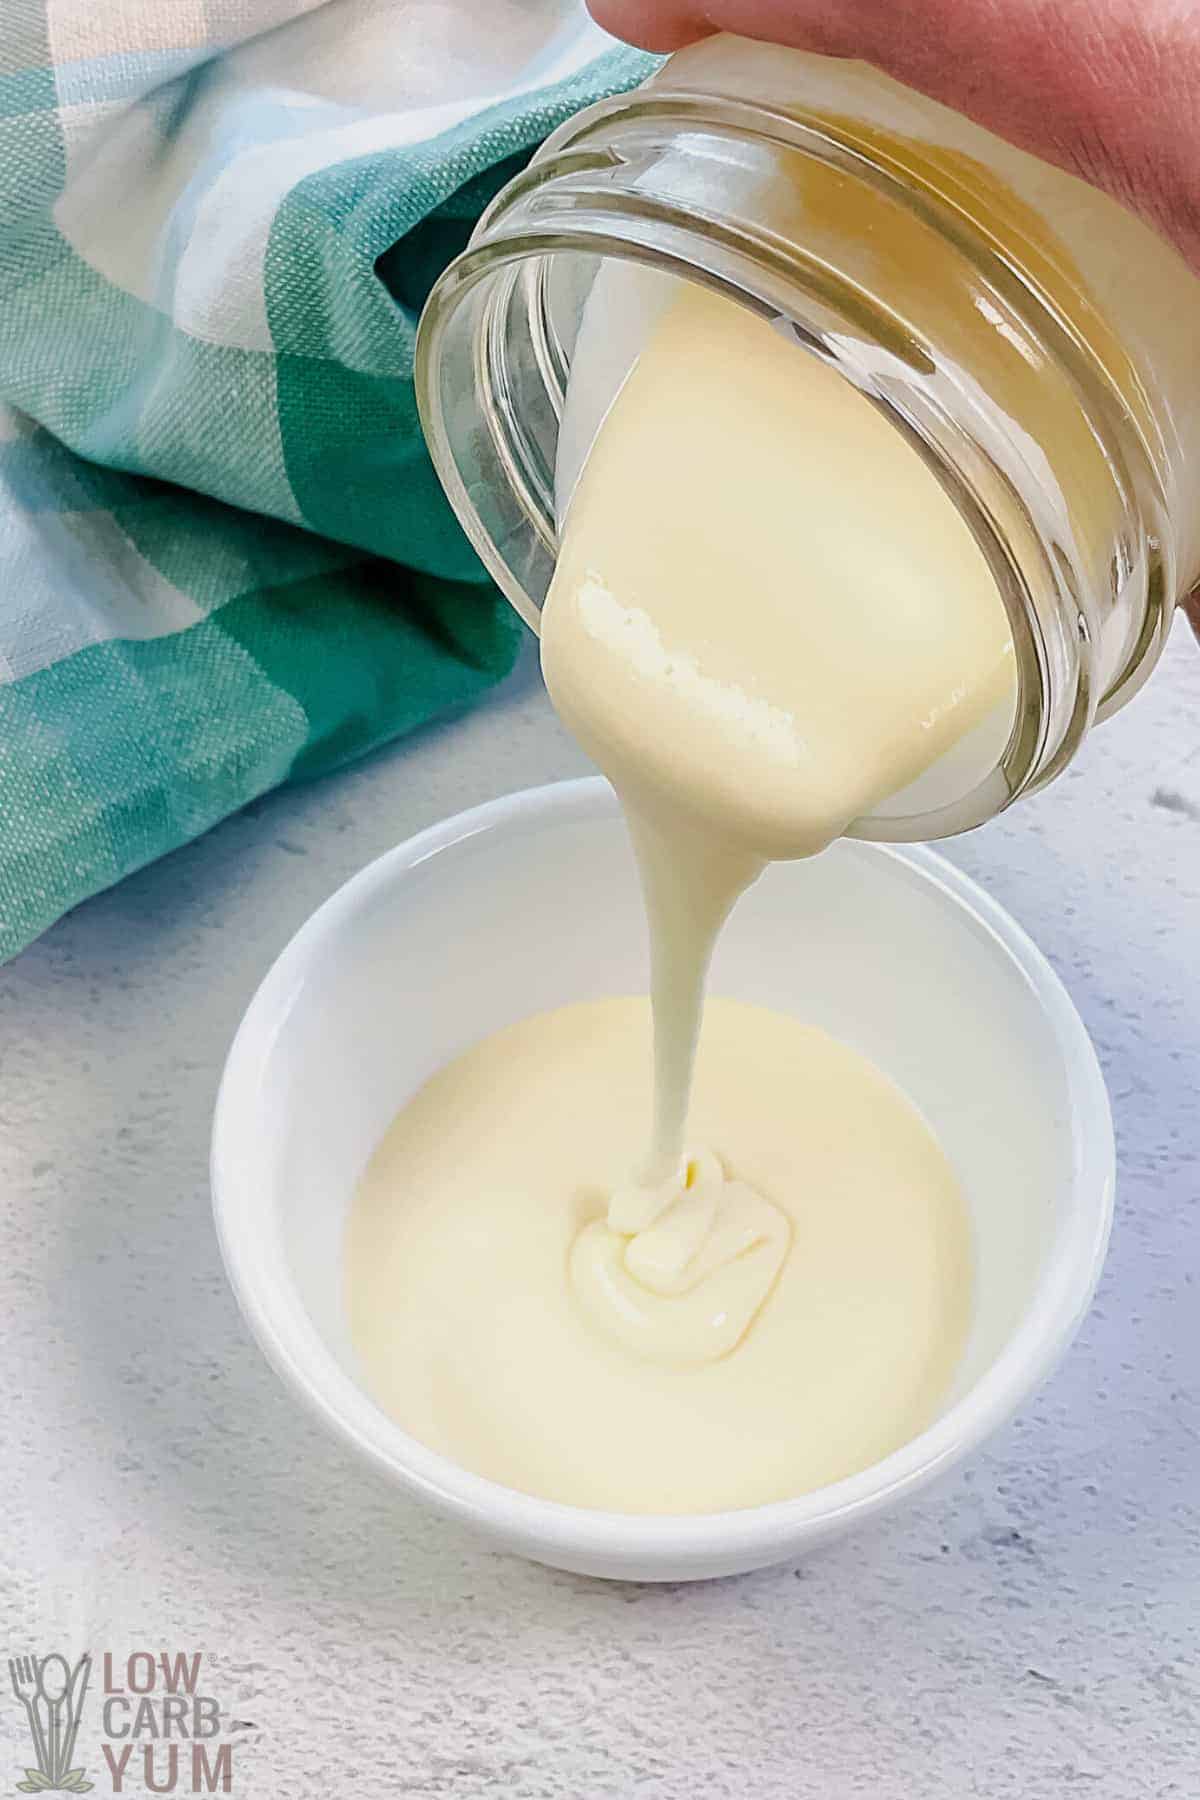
(80, 29)
(14, 425)
(80, 125)
(347, 79)
(370, 74)
(120, 193)
(74, 579)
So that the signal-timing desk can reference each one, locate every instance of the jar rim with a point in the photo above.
(583, 195)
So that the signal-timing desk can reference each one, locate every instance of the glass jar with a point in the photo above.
(1036, 344)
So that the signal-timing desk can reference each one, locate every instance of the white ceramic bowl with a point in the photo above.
(531, 902)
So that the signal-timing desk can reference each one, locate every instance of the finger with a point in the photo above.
(1104, 88)
(838, 27)
(651, 27)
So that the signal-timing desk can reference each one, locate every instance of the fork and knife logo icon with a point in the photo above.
(52, 1694)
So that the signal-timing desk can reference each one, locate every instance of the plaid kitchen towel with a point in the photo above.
(224, 557)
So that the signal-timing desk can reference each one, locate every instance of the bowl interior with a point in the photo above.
(534, 903)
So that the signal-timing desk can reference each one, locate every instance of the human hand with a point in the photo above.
(1107, 89)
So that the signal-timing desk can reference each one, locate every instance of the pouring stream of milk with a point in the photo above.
(766, 618)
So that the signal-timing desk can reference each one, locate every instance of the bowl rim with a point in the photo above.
(247, 1229)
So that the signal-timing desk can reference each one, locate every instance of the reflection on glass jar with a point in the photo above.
(1034, 342)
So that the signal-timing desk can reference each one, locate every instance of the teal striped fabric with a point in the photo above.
(225, 561)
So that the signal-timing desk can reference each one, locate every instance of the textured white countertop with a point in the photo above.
(1031, 1630)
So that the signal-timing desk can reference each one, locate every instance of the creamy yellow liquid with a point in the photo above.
(767, 617)
(471, 1335)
